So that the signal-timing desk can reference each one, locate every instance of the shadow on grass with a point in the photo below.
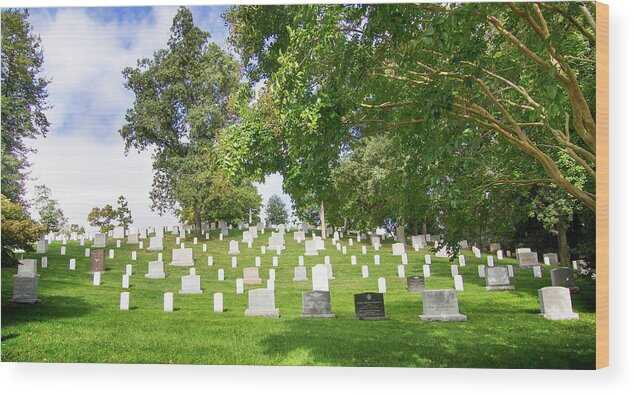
(420, 344)
(51, 308)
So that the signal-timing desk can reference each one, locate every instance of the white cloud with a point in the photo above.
(82, 159)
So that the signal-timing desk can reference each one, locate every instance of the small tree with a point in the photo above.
(51, 215)
(276, 210)
(123, 213)
(102, 218)
(18, 230)
(77, 229)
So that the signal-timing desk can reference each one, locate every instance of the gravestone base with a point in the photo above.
(181, 263)
(311, 253)
(274, 248)
(443, 318)
(190, 291)
(560, 317)
(155, 275)
(331, 315)
(253, 281)
(500, 288)
(372, 318)
(262, 313)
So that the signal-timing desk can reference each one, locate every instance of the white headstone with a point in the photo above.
(182, 257)
(364, 250)
(377, 259)
(87, 252)
(218, 302)
(311, 248)
(300, 260)
(125, 281)
(72, 264)
(458, 283)
(233, 247)
(234, 262)
(190, 285)
(156, 244)
(44, 262)
(556, 304)
(133, 255)
(500, 254)
(511, 270)
(353, 260)
(461, 260)
(454, 270)
(168, 302)
(300, 274)
(96, 278)
(481, 271)
(382, 286)
(63, 251)
(426, 271)
(239, 286)
(320, 278)
(110, 254)
(537, 271)
(365, 273)
(546, 261)
(210, 261)
(427, 259)
(124, 302)
(118, 243)
(490, 261)
(221, 275)
(398, 249)
(401, 271)
(155, 270)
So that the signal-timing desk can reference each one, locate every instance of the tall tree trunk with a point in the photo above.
(322, 219)
(425, 225)
(250, 217)
(562, 239)
(345, 226)
(400, 233)
(198, 223)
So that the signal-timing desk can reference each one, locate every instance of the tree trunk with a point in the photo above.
(400, 233)
(322, 219)
(564, 248)
(197, 223)
(250, 217)
(345, 226)
(425, 225)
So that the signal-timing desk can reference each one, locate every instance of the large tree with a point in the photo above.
(24, 97)
(517, 76)
(183, 98)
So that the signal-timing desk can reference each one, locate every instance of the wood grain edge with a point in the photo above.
(603, 208)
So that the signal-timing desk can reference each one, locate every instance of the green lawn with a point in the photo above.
(78, 322)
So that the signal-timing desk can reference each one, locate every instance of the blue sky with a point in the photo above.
(85, 49)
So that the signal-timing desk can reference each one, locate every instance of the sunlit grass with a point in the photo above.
(78, 322)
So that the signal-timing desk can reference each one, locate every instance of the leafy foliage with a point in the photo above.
(19, 231)
(24, 97)
(102, 218)
(123, 213)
